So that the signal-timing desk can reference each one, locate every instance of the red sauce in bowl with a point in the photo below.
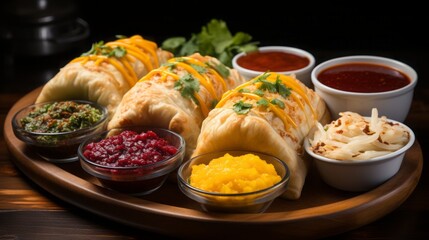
(363, 78)
(272, 61)
(129, 149)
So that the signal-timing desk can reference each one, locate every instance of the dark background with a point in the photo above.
(327, 29)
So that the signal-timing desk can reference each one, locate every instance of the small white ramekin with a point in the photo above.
(302, 74)
(393, 104)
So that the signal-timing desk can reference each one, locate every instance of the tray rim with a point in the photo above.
(331, 217)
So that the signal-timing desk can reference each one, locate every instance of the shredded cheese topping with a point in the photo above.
(297, 94)
(188, 64)
(141, 49)
(353, 137)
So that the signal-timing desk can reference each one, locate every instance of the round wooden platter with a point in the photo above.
(320, 212)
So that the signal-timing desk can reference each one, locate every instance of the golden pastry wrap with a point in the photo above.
(270, 114)
(105, 73)
(177, 96)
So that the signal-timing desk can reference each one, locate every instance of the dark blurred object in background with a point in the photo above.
(41, 36)
(37, 38)
(41, 27)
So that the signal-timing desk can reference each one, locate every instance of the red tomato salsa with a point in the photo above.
(129, 149)
(272, 61)
(363, 77)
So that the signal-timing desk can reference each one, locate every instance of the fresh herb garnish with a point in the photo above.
(262, 102)
(268, 86)
(199, 68)
(278, 102)
(169, 65)
(262, 77)
(214, 40)
(244, 90)
(259, 92)
(241, 107)
(277, 87)
(94, 48)
(188, 86)
(100, 49)
(282, 89)
(220, 68)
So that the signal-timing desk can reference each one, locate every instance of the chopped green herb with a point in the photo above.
(199, 68)
(188, 86)
(118, 52)
(119, 36)
(241, 107)
(268, 86)
(180, 59)
(278, 102)
(244, 90)
(282, 89)
(221, 69)
(101, 49)
(262, 102)
(259, 92)
(170, 65)
(262, 77)
(94, 48)
(277, 87)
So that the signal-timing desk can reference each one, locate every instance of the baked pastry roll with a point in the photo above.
(270, 114)
(105, 73)
(177, 96)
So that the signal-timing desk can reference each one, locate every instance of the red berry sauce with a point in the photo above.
(129, 149)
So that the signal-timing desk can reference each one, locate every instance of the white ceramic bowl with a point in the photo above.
(393, 104)
(302, 74)
(359, 175)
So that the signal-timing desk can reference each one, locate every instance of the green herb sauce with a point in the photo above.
(65, 116)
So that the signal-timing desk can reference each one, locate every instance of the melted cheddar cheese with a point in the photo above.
(186, 64)
(297, 94)
(135, 46)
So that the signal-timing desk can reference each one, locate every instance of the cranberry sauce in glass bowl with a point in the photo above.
(133, 160)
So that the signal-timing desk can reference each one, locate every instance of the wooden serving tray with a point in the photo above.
(320, 212)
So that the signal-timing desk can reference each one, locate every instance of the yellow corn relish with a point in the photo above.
(229, 174)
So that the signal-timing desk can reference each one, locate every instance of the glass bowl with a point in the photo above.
(134, 179)
(247, 202)
(58, 147)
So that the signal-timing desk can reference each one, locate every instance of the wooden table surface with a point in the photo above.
(29, 212)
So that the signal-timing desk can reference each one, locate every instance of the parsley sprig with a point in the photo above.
(100, 49)
(188, 86)
(277, 87)
(214, 39)
(199, 69)
(241, 107)
(220, 68)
